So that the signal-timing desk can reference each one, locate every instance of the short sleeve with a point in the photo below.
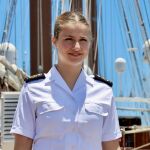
(24, 118)
(111, 129)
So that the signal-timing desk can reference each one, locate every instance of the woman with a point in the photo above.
(66, 109)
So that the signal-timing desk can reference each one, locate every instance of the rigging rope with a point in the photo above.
(8, 21)
(103, 45)
(8, 26)
(142, 27)
(21, 33)
(126, 44)
(133, 53)
(133, 16)
(145, 8)
(141, 22)
(133, 20)
(96, 44)
(127, 39)
(39, 36)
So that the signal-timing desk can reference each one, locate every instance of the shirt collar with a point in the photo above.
(54, 75)
(89, 78)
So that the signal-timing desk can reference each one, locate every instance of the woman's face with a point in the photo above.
(73, 44)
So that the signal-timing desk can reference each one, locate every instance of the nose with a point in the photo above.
(77, 46)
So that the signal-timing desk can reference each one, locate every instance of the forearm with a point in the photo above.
(111, 145)
(22, 143)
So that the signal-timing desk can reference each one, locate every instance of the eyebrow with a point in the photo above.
(73, 36)
(68, 35)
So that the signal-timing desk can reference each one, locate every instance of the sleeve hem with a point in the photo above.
(113, 137)
(21, 132)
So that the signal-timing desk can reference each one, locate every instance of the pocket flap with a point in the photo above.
(50, 107)
(96, 108)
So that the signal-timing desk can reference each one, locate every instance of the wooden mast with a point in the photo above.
(40, 35)
(76, 5)
(93, 55)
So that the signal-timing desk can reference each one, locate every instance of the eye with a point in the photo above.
(85, 40)
(68, 39)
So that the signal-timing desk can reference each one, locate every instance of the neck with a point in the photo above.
(69, 74)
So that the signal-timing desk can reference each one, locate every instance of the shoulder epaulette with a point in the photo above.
(35, 77)
(102, 79)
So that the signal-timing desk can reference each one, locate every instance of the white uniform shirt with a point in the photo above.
(57, 118)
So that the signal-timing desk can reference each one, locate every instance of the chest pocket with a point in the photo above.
(98, 109)
(92, 117)
(47, 107)
(49, 121)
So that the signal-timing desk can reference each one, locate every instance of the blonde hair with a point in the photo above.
(69, 17)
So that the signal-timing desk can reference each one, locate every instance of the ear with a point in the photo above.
(53, 39)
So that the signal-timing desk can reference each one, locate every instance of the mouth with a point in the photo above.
(75, 54)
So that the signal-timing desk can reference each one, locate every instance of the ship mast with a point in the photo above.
(40, 36)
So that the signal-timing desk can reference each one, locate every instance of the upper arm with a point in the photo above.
(111, 145)
(25, 115)
(22, 142)
(111, 129)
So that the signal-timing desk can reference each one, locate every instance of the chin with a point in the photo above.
(76, 64)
